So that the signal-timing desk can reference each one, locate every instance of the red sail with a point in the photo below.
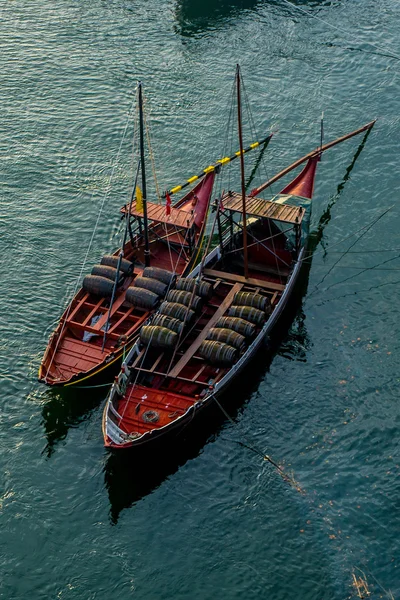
(303, 184)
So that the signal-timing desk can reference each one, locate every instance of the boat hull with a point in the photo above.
(108, 359)
(155, 436)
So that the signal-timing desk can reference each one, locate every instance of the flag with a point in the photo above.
(139, 199)
(167, 204)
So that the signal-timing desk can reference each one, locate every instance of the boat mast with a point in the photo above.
(239, 107)
(143, 170)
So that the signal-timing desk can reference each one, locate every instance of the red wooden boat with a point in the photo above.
(100, 324)
(225, 309)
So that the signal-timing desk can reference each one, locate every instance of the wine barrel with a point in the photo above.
(163, 275)
(111, 260)
(217, 353)
(142, 298)
(158, 337)
(97, 285)
(178, 311)
(186, 298)
(239, 325)
(219, 334)
(168, 322)
(248, 313)
(188, 284)
(108, 272)
(250, 299)
(153, 285)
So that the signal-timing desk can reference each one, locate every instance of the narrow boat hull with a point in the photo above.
(156, 436)
(80, 362)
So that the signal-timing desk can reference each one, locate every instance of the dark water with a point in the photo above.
(209, 518)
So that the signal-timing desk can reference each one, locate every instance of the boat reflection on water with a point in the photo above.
(66, 408)
(132, 474)
(195, 16)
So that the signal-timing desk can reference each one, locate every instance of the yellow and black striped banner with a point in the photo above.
(220, 162)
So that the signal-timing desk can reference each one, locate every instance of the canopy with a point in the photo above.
(257, 207)
(158, 213)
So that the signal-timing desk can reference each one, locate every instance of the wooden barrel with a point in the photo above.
(142, 298)
(163, 275)
(110, 260)
(153, 285)
(188, 284)
(178, 311)
(168, 322)
(186, 298)
(239, 325)
(108, 272)
(218, 353)
(99, 286)
(248, 313)
(158, 337)
(250, 299)
(219, 334)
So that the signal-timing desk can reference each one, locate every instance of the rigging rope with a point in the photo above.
(92, 238)
(351, 35)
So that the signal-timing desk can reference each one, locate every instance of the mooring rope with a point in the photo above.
(351, 35)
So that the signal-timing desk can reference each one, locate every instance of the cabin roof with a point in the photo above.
(157, 212)
(269, 209)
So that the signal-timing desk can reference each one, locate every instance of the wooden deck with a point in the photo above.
(257, 207)
(231, 277)
(157, 213)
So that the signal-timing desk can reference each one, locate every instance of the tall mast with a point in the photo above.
(143, 170)
(246, 266)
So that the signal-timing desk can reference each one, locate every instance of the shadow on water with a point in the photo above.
(316, 237)
(66, 408)
(193, 17)
(130, 475)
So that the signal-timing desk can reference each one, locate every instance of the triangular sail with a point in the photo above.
(303, 184)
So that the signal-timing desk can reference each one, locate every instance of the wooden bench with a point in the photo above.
(231, 277)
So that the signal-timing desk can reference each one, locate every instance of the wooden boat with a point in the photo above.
(101, 322)
(236, 296)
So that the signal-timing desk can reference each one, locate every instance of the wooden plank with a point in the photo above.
(118, 302)
(93, 312)
(78, 307)
(121, 319)
(268, 285)
(200, 338)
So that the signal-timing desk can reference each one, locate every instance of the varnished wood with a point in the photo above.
(269, 285)
(202, 336)
(312, 154)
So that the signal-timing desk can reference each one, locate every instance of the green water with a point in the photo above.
(208, 518)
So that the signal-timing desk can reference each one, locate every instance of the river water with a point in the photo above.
(208, 517)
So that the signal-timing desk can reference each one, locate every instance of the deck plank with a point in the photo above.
(268, 285)
(202, 336)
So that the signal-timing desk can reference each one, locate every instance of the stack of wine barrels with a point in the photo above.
(175, 312)
(149, 288)
(232, 333)
(102, 278)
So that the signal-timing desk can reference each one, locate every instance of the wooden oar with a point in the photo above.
(312, 154)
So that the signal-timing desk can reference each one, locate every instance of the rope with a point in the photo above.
(260, 453)
(366, 229)
(351, 35)
(91, 240)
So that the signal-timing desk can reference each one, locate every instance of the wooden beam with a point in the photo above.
(202, 336)
(315, 152)
(268, 285)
